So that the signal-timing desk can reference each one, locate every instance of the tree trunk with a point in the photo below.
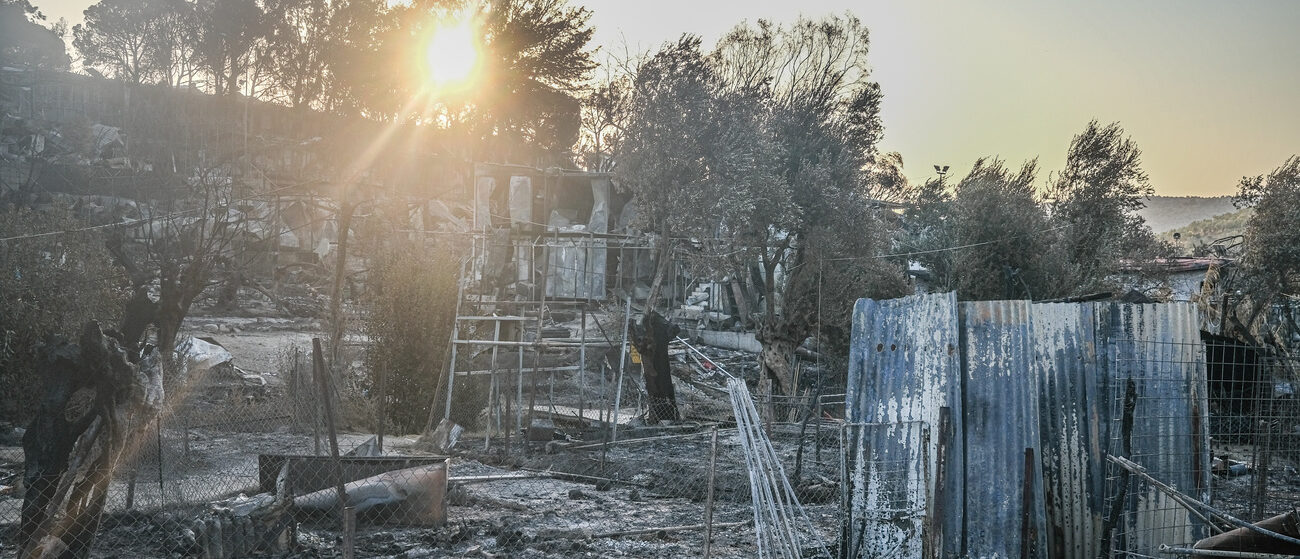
(775, 359)
(336, 291)
(651, 340)
(93, 392)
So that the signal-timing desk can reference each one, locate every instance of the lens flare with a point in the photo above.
(452, 54)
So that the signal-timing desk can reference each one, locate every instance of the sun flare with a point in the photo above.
(452, 54)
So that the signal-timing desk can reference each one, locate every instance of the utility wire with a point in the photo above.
(947, 249)
(141, 221)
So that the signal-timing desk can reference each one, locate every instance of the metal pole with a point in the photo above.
(496, 381)
(582, 369)
(381, 412)
(455, 334)
(622, 363)
(519, 383)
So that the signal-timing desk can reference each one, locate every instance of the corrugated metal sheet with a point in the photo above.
(1000, 407)
(1070, 423)
(903, 367)
(888, 485)
(1046, 377)
(1158, 347)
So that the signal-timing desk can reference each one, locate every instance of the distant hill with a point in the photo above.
(1206, 231)
(1166, 213)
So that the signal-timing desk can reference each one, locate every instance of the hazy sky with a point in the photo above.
(1210, 90)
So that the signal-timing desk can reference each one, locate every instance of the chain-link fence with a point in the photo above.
(241, 466)
(231, 466)
(660, 485)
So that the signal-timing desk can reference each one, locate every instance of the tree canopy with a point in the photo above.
(1271, 262)
(24, 40)
(763, 154)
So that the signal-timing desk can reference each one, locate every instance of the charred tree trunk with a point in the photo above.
(346, 211)
(775, 360)
(93, 391)
(651, 338)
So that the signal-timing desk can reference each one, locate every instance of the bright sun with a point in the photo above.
(452, 55)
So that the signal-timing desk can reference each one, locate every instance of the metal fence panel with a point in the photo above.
(1070, 420)
(886, 482)
(1000, 405)
(1156, 348)
(903, 367)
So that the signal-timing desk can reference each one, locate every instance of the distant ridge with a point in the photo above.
(1166, 213)
(1206, 231)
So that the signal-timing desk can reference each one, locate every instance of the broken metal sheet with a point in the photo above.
(366, 449)
(412, 496)
(1000, 421)
(200, 356)
(576, 265)
(904, 367)
(445, 436)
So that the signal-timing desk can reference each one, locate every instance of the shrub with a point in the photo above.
(410, 308)
(49, 285)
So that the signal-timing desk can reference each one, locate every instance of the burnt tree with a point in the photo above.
(94, 390)
(651, 338)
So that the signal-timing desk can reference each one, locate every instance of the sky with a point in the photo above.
(1209, 90)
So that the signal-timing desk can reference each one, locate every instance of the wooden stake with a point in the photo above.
(349, 532)
(323, 382)
(708, 506)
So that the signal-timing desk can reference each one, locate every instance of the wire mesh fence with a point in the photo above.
(885, 493)
(231, 466)
(237, 467)
(1208, 442)
(586, 426)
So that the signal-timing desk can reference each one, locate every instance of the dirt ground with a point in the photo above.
(657, 485)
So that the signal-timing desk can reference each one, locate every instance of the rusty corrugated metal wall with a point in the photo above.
(1158, 347)
(1072, 421)
(1037, 380)
(907, 370)
(1000, 428)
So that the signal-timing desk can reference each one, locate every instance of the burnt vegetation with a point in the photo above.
(483, 252)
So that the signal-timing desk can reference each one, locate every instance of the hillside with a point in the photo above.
(1165, 213)
(1206, 231)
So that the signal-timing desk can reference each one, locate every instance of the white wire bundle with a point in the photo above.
(777, 512)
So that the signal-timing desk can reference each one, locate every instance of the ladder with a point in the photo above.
(470, 308)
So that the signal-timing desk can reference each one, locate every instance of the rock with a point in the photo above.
(541, 430)
(212, 328)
